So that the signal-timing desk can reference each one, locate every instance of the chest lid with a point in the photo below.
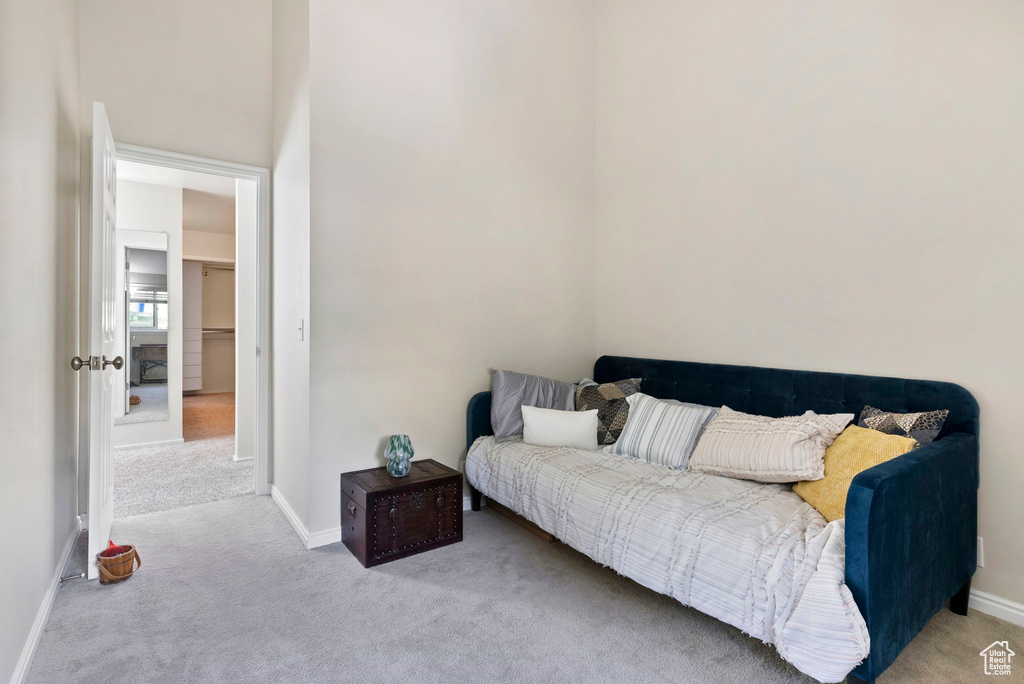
(361, 485)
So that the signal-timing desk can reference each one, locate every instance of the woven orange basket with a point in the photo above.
(114, 569)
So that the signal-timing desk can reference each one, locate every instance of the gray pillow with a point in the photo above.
(511, 391)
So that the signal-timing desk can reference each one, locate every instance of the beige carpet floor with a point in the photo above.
(161, 478)
(228, 593)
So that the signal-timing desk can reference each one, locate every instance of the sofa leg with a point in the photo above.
(958, 604)
(474, 499)
(854, 679)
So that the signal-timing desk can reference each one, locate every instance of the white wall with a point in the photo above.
(157, 209)
(39, 172)
(290, 237)
(452, 209)
(188, 76)
(827, 186)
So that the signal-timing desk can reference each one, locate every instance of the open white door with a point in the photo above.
(102, 305)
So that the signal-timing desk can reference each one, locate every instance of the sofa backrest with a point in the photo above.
(777, 392)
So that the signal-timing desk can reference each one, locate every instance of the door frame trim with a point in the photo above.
(188, 162)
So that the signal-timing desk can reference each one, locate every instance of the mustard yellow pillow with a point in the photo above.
(855, 450)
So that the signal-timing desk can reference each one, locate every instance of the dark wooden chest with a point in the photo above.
(384, 518)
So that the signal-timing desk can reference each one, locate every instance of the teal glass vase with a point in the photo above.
(399, 454)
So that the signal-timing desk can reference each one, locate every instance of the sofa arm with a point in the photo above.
(911, 538)
(478, 418)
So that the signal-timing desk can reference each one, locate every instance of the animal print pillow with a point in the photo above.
(610, 401)
(923, 427)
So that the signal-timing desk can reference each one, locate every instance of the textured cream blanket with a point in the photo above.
(753, 555)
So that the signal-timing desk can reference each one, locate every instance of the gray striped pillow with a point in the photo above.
(662, 432)
(766, 449)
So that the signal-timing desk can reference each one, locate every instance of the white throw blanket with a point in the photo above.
(756, 556)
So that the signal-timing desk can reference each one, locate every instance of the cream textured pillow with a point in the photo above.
(554, 428)
(766, 449)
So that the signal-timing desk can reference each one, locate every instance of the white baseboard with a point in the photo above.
(240, 460)
(997, 606)
(36, 633)
(324, 537)
(310, 540)
(290, 514)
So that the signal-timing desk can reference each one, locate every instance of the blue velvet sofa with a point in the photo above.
(911, 523)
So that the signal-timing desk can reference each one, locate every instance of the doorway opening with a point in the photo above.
(182, 313)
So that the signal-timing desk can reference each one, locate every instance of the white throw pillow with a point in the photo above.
(663, 432)
(554, 428)
(766, 449)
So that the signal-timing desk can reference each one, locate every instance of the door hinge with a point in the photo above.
(257, 351)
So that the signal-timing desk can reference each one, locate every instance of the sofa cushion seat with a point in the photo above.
(753, 555)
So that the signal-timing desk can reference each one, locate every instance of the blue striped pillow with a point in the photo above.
(662, 432)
